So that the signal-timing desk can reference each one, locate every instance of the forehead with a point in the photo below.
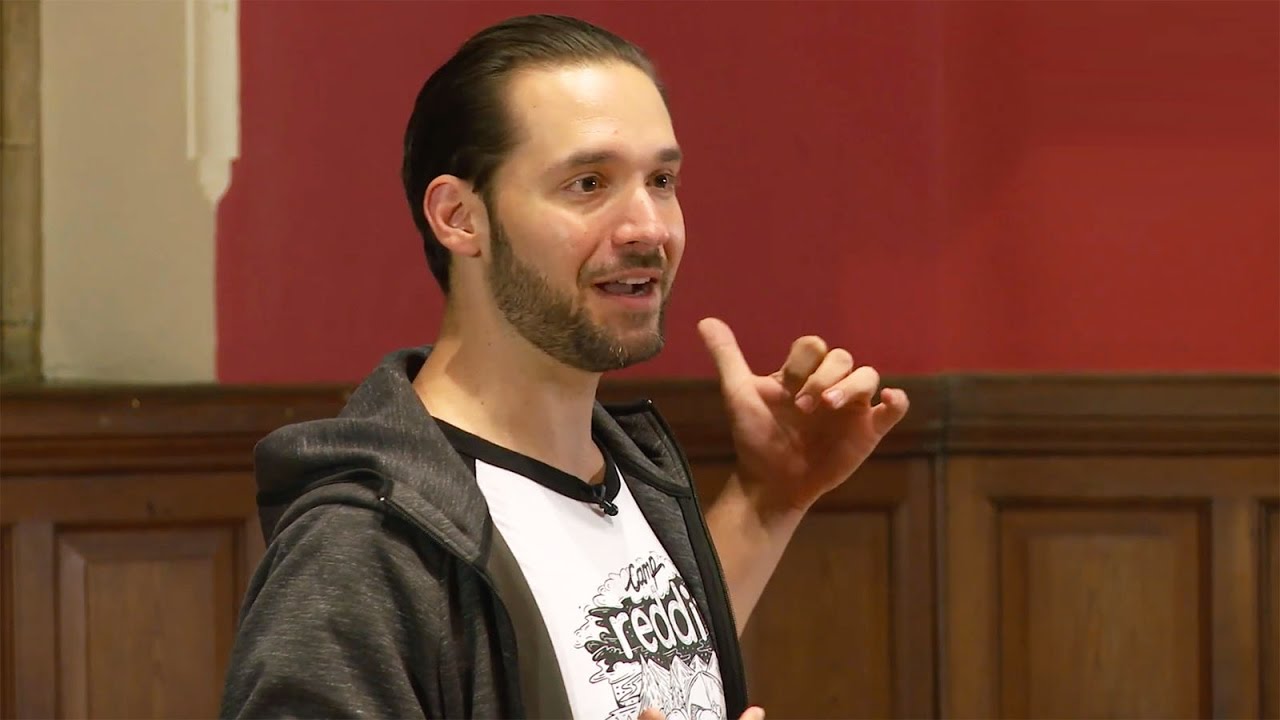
(606, 106)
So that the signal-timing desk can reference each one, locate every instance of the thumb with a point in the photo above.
(724, 350)
(652, 713)
(753, 713)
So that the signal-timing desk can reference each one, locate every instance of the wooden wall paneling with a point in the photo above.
(160, 499)
(1020, 530)
(150, 429)
(1025, 464)
(1184, 414)
(249, 549)
(1269, 575)
(844, 629)
(34, 637)
(970, 620)
(913, 562)
(6, 623)
(819, 646)
(1237, 618)
(73, 636)
(160, 605)
(151, 571)
(1100, 611)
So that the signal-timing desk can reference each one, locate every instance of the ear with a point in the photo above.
(456, 214)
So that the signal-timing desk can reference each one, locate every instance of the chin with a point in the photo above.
(639, 349)
(639, 339)
(646, 351)
(620, 353)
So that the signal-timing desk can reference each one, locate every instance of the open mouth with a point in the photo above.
(628, 288)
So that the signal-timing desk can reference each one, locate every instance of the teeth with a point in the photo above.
(636, 281)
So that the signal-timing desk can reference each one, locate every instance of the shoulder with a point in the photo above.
(337, 542)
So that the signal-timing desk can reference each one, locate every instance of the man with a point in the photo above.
(475, 535)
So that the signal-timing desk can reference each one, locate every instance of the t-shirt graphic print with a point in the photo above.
(626, 631)
(649, 642)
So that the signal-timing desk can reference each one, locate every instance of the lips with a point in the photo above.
(628, 287)
(632, 282)
(630, 276)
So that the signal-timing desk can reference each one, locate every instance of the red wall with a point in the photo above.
(993, 186)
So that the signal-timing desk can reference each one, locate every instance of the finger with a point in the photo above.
(723, 346)
(753, 713)
(857, 388)
(805, 357)
(893, 406)
(835, 367)
(652, 713)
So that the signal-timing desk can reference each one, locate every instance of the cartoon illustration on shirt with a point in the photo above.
(648, 639)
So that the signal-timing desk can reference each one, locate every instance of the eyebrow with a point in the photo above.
(596, 157)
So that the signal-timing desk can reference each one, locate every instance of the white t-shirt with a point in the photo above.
(626, 631)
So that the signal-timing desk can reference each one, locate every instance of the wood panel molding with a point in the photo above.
(1269, 597)
(134, 429)
(34, 641)
(67, 430)
(1191, 414)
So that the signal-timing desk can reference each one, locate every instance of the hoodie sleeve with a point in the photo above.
(344, 618)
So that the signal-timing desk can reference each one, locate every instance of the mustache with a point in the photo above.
(646, 261)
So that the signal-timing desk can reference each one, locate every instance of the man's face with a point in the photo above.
(585, 229)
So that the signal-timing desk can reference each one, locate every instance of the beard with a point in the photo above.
(563, 329)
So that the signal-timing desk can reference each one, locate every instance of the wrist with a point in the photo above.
(770, 510)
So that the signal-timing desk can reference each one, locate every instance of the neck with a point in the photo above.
(497, 385)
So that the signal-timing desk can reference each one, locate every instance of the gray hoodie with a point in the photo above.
(386, 592)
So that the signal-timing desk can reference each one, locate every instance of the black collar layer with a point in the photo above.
(552, 478)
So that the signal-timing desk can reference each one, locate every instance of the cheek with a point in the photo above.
(568, 246)
(555, 244)
(675, 246)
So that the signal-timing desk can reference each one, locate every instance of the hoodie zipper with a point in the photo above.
(398, 510)
(739, 670)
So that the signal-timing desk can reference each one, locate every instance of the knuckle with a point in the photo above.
(810, 343)
(793, 371)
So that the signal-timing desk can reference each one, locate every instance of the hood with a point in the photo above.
(384, 433)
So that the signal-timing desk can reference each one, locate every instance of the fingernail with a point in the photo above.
(835, 398)
(805, 403)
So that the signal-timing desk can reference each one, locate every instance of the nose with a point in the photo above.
(642, 222)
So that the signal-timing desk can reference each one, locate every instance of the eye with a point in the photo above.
(666, 181)
(587, 184)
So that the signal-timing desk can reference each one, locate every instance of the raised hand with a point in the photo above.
(802, 430)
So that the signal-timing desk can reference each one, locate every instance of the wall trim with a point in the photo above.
(213, 91)
(124, 429)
